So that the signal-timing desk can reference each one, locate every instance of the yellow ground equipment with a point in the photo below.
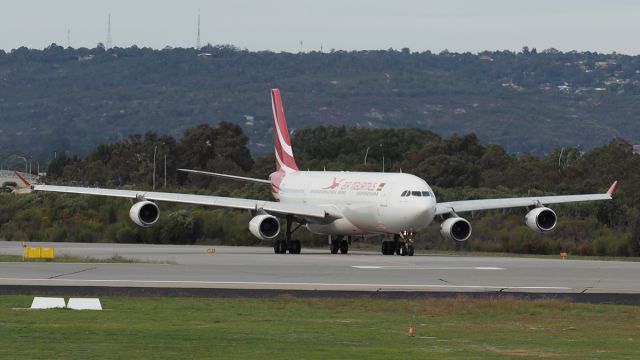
(30, 252)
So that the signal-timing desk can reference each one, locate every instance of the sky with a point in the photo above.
(308, 25)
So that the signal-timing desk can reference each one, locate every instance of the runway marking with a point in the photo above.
(366, 267)
(266, 283)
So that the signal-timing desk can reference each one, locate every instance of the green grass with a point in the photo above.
(319, 328)
(79, 259)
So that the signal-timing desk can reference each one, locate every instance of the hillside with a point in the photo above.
(530, 101)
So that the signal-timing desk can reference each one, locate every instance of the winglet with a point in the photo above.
(612, 189)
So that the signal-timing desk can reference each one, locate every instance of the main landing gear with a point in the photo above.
(402, 248)
(338, 243)
(281, 246)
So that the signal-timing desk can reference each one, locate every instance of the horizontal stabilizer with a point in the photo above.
(226, 176)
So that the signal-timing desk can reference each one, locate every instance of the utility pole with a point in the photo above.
(365, 155)
(155, 148)
(382, 149)
(25, 162)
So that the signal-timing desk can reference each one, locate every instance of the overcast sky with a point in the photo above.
(280, 25)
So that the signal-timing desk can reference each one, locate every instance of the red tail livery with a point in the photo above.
(284, 154)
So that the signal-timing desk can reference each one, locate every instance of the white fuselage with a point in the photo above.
(364, 203)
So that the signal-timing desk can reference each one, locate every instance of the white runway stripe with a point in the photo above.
(80, 282)
(427, 268)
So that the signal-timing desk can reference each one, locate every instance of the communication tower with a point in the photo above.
(109, 31)
(198, 45)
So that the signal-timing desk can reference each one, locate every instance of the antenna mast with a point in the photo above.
(198, 45)
(109, 32)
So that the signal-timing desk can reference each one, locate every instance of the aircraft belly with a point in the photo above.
(337, 227)
(367, 217)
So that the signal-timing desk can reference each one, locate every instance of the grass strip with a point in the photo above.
(116, 259)
(320, 328)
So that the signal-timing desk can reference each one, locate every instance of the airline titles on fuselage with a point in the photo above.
(343, 187)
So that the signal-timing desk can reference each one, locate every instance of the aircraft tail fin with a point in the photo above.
(284, 154)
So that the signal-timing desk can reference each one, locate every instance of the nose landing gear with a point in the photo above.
(398, 247)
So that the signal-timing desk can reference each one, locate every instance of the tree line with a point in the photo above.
(458, 167)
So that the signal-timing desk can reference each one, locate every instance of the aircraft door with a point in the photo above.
(383, 201)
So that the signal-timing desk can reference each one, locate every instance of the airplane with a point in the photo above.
(340, 204)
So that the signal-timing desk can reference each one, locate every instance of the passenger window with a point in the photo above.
(426, 194)
(404, 193)
(416, 193)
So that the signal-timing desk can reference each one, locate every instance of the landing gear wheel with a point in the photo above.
(387, 248)
(288, 244)
(410, 250)
(295, 247)
(344, 246)
(397, 248)
(279, 246)
(403, 250)
(335, 246)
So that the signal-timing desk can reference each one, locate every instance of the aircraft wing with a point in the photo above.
(489, 204)
(304, 211)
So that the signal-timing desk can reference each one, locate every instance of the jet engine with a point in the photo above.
(144, 213)
(264, 227)
(541, 219)
(456, 228)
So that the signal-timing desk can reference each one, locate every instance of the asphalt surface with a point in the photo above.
(258, 268)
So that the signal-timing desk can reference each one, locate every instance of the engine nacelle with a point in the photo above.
(541, 219)
(456, 228)
(264, 227)
(144, 213)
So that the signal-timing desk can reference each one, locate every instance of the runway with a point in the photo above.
(260, 268)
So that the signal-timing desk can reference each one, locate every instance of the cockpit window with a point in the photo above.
(415, 193)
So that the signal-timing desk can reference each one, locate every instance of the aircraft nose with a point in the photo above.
(424, 211)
